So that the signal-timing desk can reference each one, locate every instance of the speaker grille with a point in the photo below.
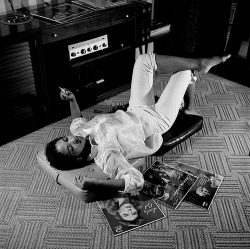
(18, 97)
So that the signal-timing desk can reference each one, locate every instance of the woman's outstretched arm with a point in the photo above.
(74, 107)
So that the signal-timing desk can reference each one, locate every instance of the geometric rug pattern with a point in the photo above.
(35, 212)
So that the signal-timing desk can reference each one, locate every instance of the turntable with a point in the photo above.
(63, 12)
(74, 9)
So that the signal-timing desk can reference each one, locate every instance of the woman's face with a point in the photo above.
(202, 191)
(71, 145)
(128, 212)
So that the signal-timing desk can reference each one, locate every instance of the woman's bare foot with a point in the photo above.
(207, 63)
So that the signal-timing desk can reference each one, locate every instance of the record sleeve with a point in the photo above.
(125, 213)
(167, 184)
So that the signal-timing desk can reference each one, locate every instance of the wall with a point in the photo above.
(245, 44)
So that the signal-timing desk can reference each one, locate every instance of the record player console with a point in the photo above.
(92, 56)
(87, 46)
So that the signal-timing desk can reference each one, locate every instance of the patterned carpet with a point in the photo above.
(35, 212)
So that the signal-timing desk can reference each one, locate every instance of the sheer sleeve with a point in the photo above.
(117, 167)
(83, 127)
(78, 126)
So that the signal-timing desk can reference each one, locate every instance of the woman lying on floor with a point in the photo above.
(112, 139)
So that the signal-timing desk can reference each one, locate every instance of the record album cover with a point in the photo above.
(204, 189)
(167, 184)
(125, 213)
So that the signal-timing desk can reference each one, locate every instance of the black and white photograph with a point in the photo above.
(126, 213)
(167, 184)
(204, 189)
(125, 124)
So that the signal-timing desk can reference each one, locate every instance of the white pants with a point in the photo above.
(143, 97)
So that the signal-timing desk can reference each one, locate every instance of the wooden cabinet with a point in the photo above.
(91, 76)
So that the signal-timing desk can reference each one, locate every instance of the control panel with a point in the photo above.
(87, 47)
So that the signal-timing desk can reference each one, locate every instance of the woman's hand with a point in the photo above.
(66, 95)
(86, 182)
(90, 183)
(74, 108)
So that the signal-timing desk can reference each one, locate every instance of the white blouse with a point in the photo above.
(121, 136)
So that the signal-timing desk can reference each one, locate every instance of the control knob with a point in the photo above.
(89, 49)
(95, 47)
(83, 51)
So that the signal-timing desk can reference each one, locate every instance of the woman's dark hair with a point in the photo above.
(62, 162)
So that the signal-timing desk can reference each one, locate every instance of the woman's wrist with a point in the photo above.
(73, 99)
(102, 185)
(112, 184)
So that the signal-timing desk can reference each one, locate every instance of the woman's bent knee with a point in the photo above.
(146, 61)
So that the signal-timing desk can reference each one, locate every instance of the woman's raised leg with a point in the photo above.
(142, 92)
(172, 96)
